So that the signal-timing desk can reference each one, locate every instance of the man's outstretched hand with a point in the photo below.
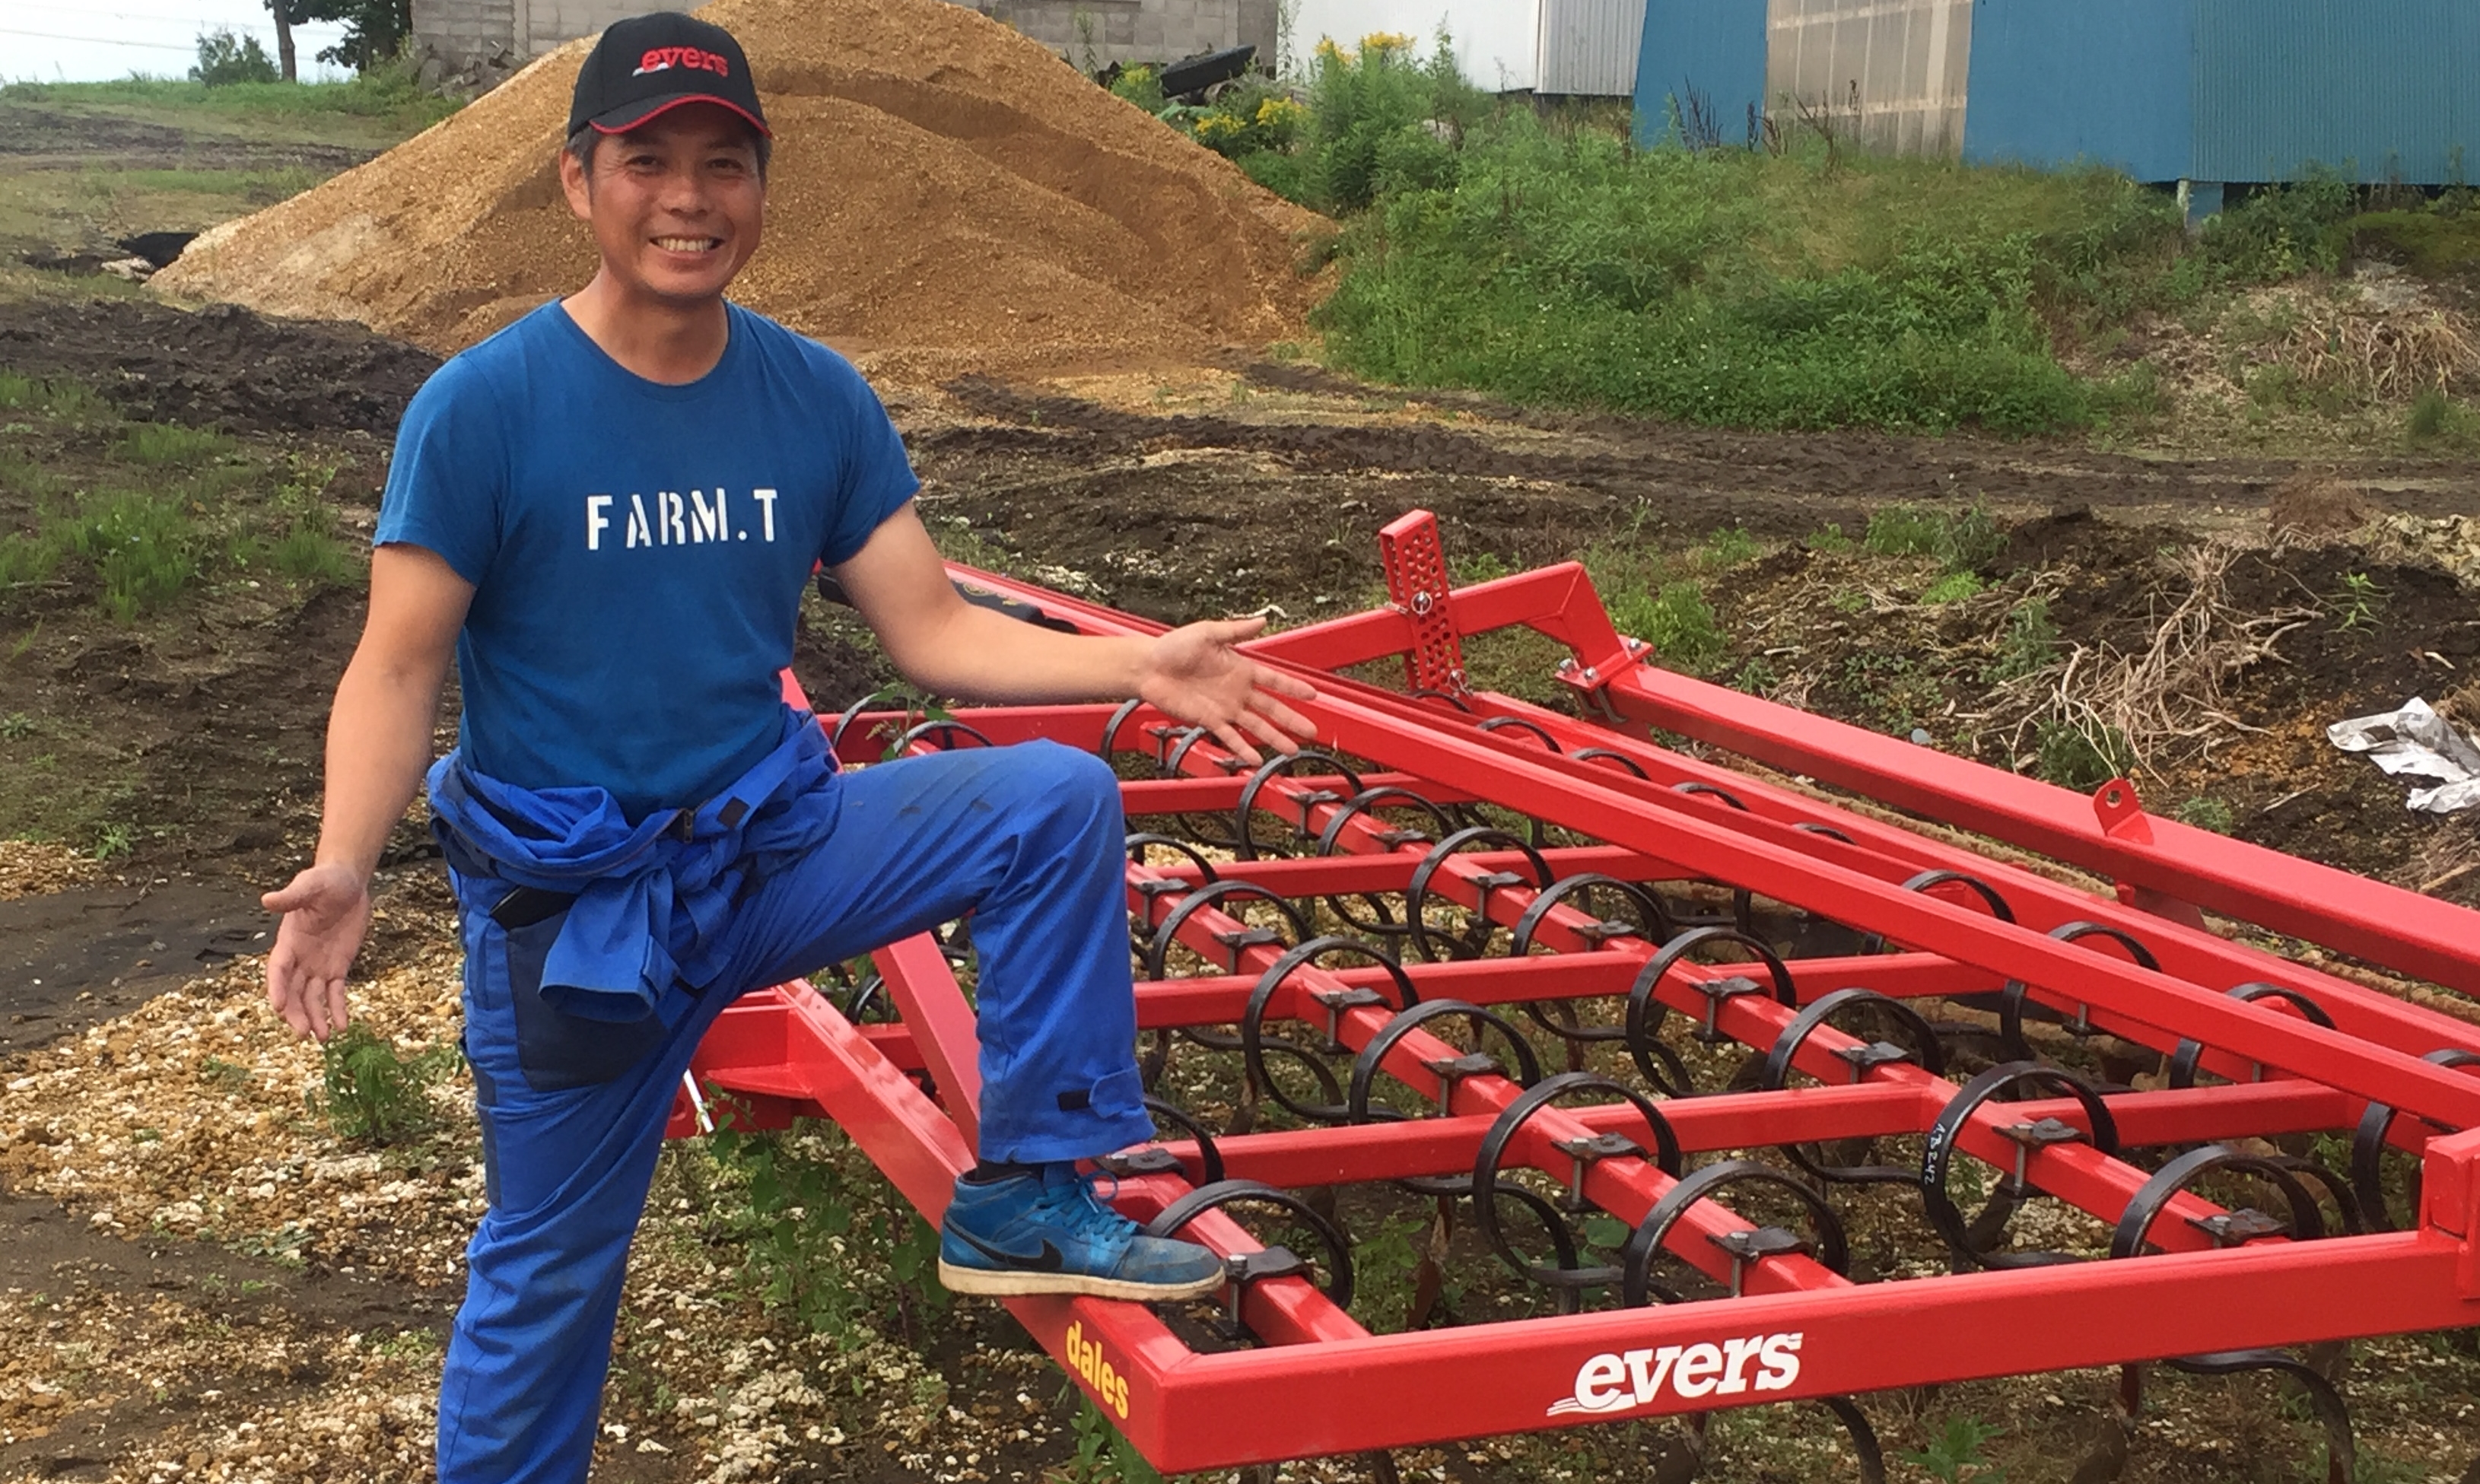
(326, 908)
(1196, 675)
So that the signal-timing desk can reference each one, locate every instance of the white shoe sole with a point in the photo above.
(1018, 1284)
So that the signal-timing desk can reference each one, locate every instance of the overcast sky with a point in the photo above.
(56, 40)
(1494, 38)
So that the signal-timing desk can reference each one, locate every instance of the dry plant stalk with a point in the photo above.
(2171, 691)
(2392, 357)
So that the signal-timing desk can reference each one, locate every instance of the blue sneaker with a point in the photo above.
(1051, 1233)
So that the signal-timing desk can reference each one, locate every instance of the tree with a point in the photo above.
(375, 30)
(288, 14)
(225, 58)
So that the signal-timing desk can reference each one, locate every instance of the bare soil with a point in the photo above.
(319, 1295)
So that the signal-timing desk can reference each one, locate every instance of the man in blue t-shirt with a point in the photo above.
(607, 514)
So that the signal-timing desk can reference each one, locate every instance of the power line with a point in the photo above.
(259, 19)
(100, 41)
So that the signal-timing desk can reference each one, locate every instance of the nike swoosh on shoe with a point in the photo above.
(1047, 1259)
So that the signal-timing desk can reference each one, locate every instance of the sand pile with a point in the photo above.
(945, 195)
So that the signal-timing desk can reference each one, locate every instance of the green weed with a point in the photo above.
(413, 1344)
(2079, 757)
(1729, 547)
(1829, 540)
(229, 1076)
(112, 841)
(372, 1093)
(2205, 812)
(1103, 1454)
(1905, 530)
(1381, 118)
(2281, 231)
(2356, 603)
(16, 727)
(1676, 621)
(2026, 646)
(1757, 677)
(1953, 587)
(1954, 1455)
(2427, 416)
(824, 1235)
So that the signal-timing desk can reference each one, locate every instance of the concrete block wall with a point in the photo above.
(470, 45)
(1093, 34)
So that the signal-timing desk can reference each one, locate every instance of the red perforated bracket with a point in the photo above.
(1416, 585)
(2121, 813)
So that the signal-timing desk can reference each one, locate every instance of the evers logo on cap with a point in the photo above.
(662, 59)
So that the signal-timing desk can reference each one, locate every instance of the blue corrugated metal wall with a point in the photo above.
(1716, 46)
(2109, 80)
(2383, 89)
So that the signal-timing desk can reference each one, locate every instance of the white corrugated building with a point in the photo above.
(1588, 48)
(475, 44)
(1577, 48)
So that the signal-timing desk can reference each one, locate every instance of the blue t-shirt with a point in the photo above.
(637, 551)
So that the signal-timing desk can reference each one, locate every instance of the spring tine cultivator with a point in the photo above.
(1654, 1028)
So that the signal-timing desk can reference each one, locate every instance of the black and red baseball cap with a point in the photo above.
(645, 64)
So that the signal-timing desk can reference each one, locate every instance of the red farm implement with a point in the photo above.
(1652, 1029)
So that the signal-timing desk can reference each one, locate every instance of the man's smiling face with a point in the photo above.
(677, 203)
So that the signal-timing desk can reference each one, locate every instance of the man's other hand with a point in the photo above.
(326, 908)
(1196, 675)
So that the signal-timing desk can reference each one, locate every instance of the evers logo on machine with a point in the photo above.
(662, 59)
(1622, 1382)
(1085, 1358)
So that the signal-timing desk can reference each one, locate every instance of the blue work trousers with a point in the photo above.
(1027, 839)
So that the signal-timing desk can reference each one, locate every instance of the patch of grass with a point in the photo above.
(309, 554)
(1829, 540)
(391, 95)
(1960, 542)
(31, 558)
(1805, 290)
(57, 398)
(144, 545)
(2438, 421)
(172, 444)
(1675, 620)
(2433, 242)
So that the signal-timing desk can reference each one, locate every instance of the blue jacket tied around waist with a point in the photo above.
(650, 897)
